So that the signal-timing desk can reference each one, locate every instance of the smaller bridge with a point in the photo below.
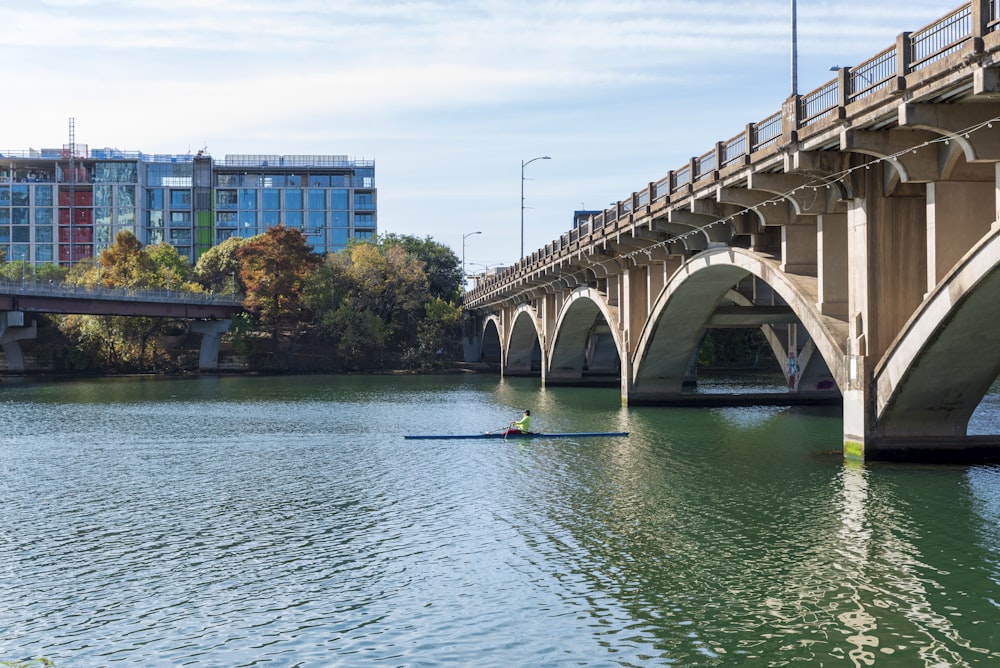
(211, 313)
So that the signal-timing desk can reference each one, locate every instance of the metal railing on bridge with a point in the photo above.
(43, 288)
(913, 51)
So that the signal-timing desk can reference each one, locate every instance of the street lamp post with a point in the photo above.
(523, 165)
(795, 51)
(464, 237)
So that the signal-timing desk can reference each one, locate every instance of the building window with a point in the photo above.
(225, 199)
(180, 199)
(364, 220)
(19, 195)
(338, 199)
(317, 200)
(293, 198)
(154, 198)
(270, 199)
(43, 195)
(248, 199)
(363, 201)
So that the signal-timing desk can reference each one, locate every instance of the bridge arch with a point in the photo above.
(585, 335)
(943, 362)
(524, 351)
(681, 313)
(490, 349)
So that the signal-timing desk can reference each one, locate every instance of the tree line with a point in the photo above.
(394, 303)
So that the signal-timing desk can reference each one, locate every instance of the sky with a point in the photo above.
(448, 97)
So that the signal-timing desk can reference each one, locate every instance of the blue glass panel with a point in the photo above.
(293, 219)
(5, 236)
(21, 234)
(19, 195)
(270, 199)
(154, 198)
(19, 216)
(271, 219)
(317, 220)
(43, 234)
(43, 195)
(293, 198)
(226, 199)
(248, 219)
(363, 201)
(248, 199)
(4, 195)
(338, 219)
(338, 199)
(338, 238)
(43, 217)
(317, 200)
(43, 253)
(180, 199)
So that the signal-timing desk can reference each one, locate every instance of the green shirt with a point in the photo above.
(524, 424)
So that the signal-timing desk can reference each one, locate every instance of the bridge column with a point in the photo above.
(887, 278)
(211, 335)
(12, 330)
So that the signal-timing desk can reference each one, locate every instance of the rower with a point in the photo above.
(522, 426)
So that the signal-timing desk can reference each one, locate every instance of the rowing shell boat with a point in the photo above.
(530, 434)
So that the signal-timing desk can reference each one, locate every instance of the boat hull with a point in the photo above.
(532, 434)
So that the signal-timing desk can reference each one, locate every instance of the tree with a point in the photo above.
(369, 300)
(442, 266)
(275, 267)
(124, 264)
(218, 268)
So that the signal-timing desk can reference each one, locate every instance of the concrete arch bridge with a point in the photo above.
(857, 227)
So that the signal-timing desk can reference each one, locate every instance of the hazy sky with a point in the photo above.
(447, 96)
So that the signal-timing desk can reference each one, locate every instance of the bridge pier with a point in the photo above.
(12, 330)
(211, 335)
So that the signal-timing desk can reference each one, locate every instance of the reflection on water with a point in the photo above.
(285, 522)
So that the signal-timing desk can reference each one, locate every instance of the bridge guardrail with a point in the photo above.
(912, 51)
(50, 289)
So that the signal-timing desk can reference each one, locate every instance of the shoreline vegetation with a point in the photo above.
(393, 305)
(389, 304)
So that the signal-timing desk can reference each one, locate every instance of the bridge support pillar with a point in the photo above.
(211, 335)
(12, 330)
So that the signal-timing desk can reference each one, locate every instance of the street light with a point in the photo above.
(795, 52)
(523, 165)
(464, 237)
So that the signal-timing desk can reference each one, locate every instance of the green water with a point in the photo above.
(286, 522)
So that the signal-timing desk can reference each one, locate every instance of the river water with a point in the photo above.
(286, 522)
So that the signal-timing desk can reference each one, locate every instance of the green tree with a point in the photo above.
(275, 267)
(442, 266)
(369, 300)
(219, 267)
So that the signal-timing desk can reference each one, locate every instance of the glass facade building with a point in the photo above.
(64, 205)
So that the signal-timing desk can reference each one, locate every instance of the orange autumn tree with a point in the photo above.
(274, 267)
